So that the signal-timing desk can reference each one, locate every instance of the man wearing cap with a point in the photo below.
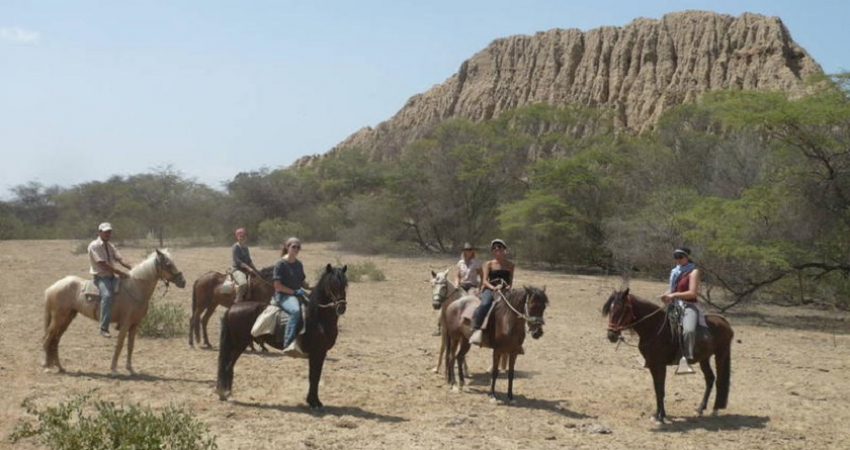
(102, 258)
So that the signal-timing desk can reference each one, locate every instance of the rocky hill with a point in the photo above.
(639, 70)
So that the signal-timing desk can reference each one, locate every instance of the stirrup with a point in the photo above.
(684, 368)
(476, 337)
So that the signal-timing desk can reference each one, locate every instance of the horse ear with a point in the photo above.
(329, 268)
(433, 274)
(626, 292)
(344, 268)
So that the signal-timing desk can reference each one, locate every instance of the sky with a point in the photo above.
(90, 89)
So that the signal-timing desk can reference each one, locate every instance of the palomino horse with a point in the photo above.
(64, 299)
(326, 303)
(505, 331)
(211, 289)
(443, 293)
(660, 348)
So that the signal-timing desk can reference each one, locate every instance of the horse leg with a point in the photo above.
(204, 320)
(511, 363)
(705, 366)
(494, 374)
(53, 335)
(119, 343)
(317, 362)
(461, 362)
(443, 344)
(659, 375)
(131, 340)
(230, 348)
(451, 357)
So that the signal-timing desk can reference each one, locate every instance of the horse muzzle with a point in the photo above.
(340, 308)
(436, 301)
(613, 335)
(536, 332)
(179, 280)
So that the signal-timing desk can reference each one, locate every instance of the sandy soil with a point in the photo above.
(790, 380)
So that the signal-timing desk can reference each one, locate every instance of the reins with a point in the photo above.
(522, 315)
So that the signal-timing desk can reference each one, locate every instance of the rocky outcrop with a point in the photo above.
(638, 70)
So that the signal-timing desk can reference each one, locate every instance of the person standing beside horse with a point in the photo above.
(102, 257)
(684, 285)
(497, 274)
(243, 266)
(469, 271)
(289, 285)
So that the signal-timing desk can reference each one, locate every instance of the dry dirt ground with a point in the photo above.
(790, 380)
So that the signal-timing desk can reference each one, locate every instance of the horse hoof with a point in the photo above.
(455, 389)
(512, 402)
(715, 413)
(494, 400)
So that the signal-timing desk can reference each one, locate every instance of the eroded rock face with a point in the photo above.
(638, 70)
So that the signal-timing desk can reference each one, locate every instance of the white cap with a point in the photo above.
(105, 226)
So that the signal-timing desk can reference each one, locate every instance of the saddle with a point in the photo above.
(272, 322)
(470, 307)
(675, 313)
(90, 291)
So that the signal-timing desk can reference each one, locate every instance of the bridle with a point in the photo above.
(337, 302)
(525, 315)
(629, 313)
(160, 269)
(438, 298)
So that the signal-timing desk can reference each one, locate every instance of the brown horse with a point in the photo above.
(326, 303)
(215, 288)
(505, 332)
(661, 348)
(65, 299)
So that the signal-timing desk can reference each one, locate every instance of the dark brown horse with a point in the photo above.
(326, 303)
(215, 288)
(661, 348)
(505, 332)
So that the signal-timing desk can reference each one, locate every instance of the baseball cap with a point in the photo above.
(105, 226)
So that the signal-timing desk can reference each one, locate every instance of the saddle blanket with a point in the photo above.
(273, 319)
(90, 291)
(228, 287)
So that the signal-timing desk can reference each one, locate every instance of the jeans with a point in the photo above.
(292, 306)
(689, 328)
(106, 285)
(481, 312)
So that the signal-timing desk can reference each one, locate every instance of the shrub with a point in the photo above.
(163, 320)
(85, 424)
(364, 271)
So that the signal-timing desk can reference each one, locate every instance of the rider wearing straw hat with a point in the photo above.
(469, 270)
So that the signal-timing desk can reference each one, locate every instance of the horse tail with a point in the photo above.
(225, 356)
(724, 374)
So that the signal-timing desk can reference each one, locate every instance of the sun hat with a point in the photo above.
(496, 242)
(468, 246)
(681, 251)
(105, 226)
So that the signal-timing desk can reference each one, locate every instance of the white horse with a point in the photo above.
(65, 299)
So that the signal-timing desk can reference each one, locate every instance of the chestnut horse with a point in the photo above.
(505, 331)
(326, 303)
(65, 299)
(661, 348)
(212, 289)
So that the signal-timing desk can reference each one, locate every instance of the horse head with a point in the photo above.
(330, 291)
(167, 270)
(439, 288)
(619, 308)
(535, 304)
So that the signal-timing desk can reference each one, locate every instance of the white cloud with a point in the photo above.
(17, 34)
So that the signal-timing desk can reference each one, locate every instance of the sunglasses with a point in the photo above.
(495, 247)
(295, 246)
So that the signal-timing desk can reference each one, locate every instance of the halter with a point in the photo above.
(437, 298)
(159, 271)
(531, 320)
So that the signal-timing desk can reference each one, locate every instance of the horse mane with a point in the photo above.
(518, 294)
(147, 268)
(266, 273)
(606, 308)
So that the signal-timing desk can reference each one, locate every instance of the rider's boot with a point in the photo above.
(684, 368)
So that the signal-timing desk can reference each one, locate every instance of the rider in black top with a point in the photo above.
(498, 275)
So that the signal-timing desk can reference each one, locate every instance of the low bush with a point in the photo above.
(163, 320)
(83, 423)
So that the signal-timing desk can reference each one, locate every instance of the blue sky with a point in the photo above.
(91, 89)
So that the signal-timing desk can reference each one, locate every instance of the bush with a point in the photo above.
(85, 424)
(365, 271)
(163, 321)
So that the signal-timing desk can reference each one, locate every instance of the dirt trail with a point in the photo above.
(790, 379)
